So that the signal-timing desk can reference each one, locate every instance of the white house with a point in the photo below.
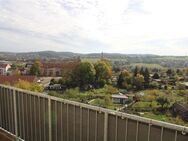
(4, 69)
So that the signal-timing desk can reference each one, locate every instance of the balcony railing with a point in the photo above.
(39, 117)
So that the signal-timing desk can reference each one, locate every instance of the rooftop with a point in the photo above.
(3, 65)
(15, 78)
(119, 96)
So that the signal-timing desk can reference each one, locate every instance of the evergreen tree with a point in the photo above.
(136, 71)
(146, 78)
(156, 76)
(142, 71)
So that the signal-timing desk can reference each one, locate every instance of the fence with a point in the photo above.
(38, 117)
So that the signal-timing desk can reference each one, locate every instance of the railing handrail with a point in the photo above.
(100, 109)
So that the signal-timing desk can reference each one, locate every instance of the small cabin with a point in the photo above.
(119, 99)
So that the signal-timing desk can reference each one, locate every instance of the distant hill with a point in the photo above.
(34, 55)
(64, 55)
(117, 58)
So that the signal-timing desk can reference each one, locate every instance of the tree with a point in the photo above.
(146, 78)
(142, 71)
(103, 73)
(169, 72)
(124, 80)
(156, 76)
(107, 101)
(136, 71)
(103, 70)
(138, 81)
(163, 101)
(14, 66)
(84, 74)
(36, 68)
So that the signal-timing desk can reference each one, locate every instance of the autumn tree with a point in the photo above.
(103, 71)
(36, 68)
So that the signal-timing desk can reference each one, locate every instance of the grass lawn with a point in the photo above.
(102, 103)
(143, 104)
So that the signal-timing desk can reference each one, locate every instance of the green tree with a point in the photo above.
(138, 81)
(156, 76)
(136, 71)
(103, 70)
(124, 80)
(84, 74)
(107, 101)
(163, 101)
(142, 71)
(170, 72)
(146, 78)
(36, 68)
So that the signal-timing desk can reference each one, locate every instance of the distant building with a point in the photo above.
(13, 79)
(54, 69)
(119, 99)
(4, 69)
(26, 70)
(180, 109)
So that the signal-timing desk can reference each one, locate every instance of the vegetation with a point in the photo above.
(84, 74)
(151, 83)
(29, 86)
(36, 68)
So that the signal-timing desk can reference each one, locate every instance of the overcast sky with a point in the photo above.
(121, 26)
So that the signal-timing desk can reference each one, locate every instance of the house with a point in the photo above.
(180, 109)
(119, 99)
(26, 69)
(49, 69)
(14, 78)
(55, 69)
(4, 69)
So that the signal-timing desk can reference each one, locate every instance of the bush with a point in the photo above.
(100, 83)
(29, 86)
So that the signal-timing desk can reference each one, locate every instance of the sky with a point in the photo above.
(87, 26)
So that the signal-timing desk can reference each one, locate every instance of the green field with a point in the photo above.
(150, 66)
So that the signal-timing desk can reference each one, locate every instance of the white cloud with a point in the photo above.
(95, 25)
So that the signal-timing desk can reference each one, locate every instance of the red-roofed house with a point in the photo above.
(4, 69)
(50, 69)
(13, 79)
